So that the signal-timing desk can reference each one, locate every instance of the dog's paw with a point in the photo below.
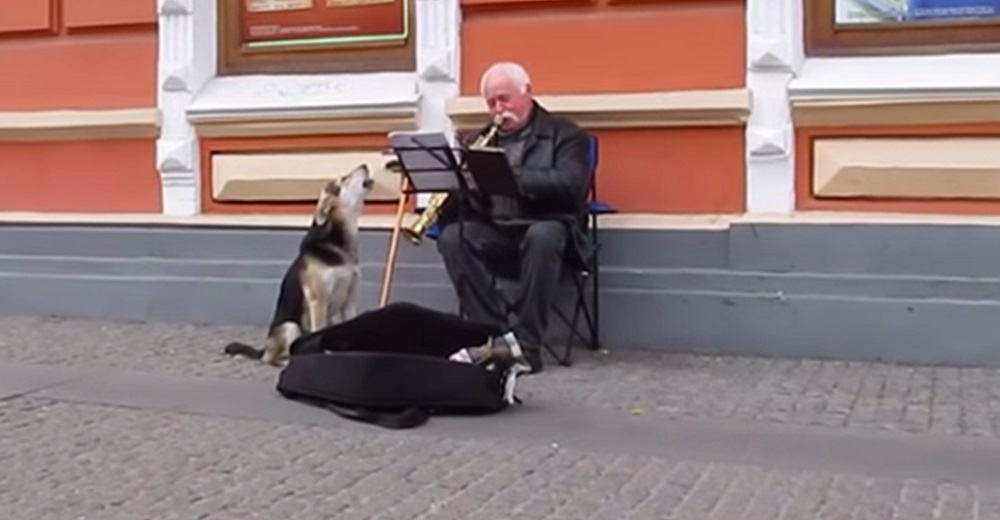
(276, 362)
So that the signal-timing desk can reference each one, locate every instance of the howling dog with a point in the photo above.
(320, 287)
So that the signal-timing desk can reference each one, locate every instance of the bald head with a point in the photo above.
(506, 87)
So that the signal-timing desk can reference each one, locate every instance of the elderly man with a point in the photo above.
(540, 231)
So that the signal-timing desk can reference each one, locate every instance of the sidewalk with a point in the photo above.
(137, 421)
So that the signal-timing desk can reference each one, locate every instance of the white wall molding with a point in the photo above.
(79, 125)
(774, 54)
(947, 75)
(190, 92)
(186, 60)
(674, 108)
(294, 97)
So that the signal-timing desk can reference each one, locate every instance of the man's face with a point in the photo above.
(502, 95)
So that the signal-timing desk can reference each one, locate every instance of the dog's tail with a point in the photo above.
(242, 349)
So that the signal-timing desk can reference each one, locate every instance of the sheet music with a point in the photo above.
(429, 169)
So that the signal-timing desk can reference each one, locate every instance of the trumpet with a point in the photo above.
(415, 232)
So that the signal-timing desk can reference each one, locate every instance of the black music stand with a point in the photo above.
(429, 163)
(492, 172)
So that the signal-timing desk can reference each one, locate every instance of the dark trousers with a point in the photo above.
(534, 251)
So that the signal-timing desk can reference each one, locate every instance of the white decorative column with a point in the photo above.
(187, 54)
(438, 32)
(774, 56)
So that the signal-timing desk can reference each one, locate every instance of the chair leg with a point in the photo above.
(564, 360)
(511, 307)
(593, 322)
(589, 317)
(574, 332)
(571, 324)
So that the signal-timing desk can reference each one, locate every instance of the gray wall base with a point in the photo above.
(926, 294)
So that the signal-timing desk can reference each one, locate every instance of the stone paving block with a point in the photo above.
(67, 461)
(844, 494)
(770, 498)
(945, 400)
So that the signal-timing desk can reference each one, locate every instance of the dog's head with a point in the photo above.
(346, 194)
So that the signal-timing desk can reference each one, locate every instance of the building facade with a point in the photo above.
(782, 170)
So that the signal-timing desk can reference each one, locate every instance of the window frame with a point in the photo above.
(235, 59)
(823, 38)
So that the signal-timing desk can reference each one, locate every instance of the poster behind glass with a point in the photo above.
(323, 22)
(859, 12)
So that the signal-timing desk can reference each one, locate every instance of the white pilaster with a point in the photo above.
(774, 55)
(186, 60)
(438, 59)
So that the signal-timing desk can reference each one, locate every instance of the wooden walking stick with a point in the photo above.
(390, 262)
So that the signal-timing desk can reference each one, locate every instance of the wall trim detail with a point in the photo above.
(187, 42)
(894, 76)
(79, 125)
(722, 107)
(227, 105)
(774, 53)
(293, 177)
(636, 221)
(314, 124)
(926, 168)
(926, 109)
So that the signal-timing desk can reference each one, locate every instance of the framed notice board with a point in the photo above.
(302, 36)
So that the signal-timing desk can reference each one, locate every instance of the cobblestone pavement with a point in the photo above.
(69, 461)
(836, 394)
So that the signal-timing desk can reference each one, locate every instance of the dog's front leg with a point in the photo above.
(350, 308)
(317, 298)
(317, 312)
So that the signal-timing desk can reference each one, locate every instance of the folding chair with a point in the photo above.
(588, 273)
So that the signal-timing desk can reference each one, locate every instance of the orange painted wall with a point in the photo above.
(804, 161)
(65, 53)
(600, 46)
(605, 46)
(672, 170)
(80, 176)
(78, 54)
(357, 142)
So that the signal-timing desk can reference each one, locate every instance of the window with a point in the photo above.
(315, 36)
(895, 27)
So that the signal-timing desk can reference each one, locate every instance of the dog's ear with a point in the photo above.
(327, 199)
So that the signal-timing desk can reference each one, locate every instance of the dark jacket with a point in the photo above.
(554, 177)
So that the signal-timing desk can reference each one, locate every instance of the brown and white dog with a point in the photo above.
(321, 286)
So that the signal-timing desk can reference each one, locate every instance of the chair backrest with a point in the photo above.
(594, 155)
